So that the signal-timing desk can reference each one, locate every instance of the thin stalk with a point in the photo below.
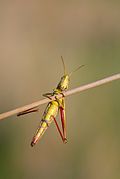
(67, 93)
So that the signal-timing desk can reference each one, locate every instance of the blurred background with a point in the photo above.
(33, 36)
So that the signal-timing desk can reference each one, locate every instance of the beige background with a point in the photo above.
(33, 36)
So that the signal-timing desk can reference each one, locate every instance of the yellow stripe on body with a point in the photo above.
(51, 110)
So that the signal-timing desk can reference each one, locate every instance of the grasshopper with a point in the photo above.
(52, 109)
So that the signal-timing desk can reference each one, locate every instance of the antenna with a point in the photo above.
(63, 65)
(76, 69)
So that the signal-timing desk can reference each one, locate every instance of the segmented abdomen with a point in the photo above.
(51, 110)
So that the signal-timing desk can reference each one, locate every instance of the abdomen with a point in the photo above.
(50, 111)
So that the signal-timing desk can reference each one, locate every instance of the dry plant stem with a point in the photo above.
(70, 92)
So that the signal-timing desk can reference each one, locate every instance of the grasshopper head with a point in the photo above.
(64, 82)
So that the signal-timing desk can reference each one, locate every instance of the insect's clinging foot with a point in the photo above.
(48, 95)
(62, 94)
